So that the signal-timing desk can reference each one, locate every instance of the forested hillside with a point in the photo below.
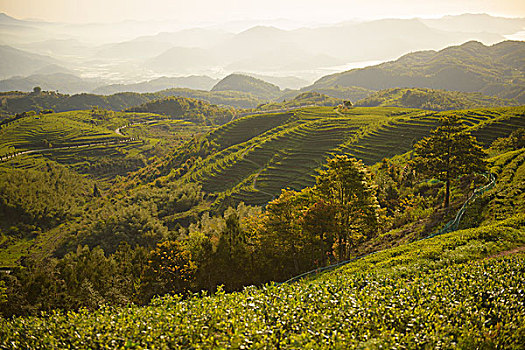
(248, 84)
(495, 70)
(188, 109)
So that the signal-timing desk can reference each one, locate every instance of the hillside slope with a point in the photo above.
(246, 83)
(188, 109)
(256, 156)
(496, 70)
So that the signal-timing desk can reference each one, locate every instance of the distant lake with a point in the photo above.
(516, 36)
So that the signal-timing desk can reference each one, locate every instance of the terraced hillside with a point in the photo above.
(100, 143)
(261, 154)
(508, 196)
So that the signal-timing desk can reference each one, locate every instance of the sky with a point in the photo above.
(221, 11)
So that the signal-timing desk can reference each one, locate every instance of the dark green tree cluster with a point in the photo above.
(514, 141)
(449, 153)
(297, 232)
(188, 109)
(83, 278)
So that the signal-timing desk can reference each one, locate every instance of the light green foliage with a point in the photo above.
(32, 201)
(508, 196)
(106, 156)
(395, 304)
(515, 140)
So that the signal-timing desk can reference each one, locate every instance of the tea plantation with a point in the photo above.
(261, 154)
(88, 141)
(460, 290)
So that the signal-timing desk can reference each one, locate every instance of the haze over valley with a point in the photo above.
(73, 58)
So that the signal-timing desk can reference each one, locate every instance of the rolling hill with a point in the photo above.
(188, 109)
(248, 84)
(196, 82)
(257, 156)
(496, 70)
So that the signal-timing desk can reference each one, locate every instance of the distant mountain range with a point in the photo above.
(134, 51)
(497, 70)
(19, 62)
(63, 82)
(196, 82)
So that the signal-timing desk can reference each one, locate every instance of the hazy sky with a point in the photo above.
(201, 11)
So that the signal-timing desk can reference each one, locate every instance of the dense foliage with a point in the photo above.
(23, 102)
(304, 99)
(188, 109)
(175, 227)
(33, 201)
(470, 305)
(449, 153)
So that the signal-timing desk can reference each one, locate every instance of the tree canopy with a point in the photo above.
(449, 152)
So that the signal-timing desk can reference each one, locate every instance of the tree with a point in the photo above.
(449, 152)
(345, 185)
(170, 269)
(37, 90)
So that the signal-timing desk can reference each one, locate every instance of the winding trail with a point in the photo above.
(119, 132)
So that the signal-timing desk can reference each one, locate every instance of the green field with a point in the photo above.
(437, 293)
(261, 154)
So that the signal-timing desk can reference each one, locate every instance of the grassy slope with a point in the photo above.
(100, 162)
(433, 293)
(259, 155)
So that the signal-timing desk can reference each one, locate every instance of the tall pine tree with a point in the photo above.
(449, 152)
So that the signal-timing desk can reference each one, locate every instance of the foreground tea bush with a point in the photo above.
(472, 305)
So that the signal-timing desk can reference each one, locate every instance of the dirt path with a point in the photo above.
(507, 252)
(118, 130)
